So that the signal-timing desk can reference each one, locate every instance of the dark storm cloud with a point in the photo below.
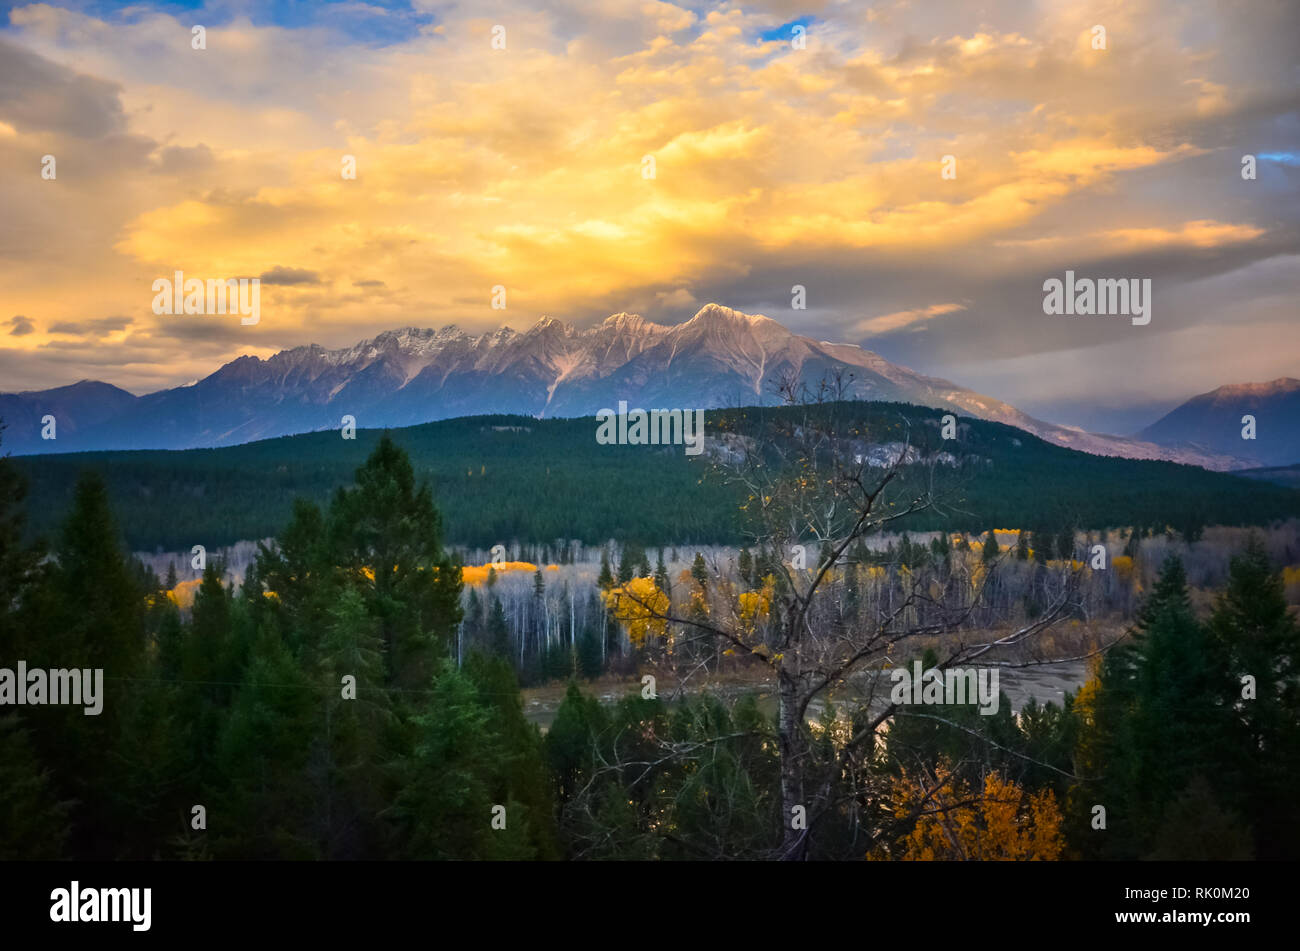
(36, 94)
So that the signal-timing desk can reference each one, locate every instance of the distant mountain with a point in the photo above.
(1288, 476)
(79, 410)
(1212, 422)
(718, 358)
(502, 478)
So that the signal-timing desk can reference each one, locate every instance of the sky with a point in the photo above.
(792, 144)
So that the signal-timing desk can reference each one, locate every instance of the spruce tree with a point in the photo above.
(498, 632)
(699, 571)
(20, 566)
(1255, 636)
(386, 537)
(990, 547)
(100, 608)
(1157, 721)
(33, 821)
(661, 575)
(458, 775)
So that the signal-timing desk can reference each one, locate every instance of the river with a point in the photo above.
(1047, 684)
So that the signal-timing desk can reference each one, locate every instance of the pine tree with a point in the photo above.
(520, 776)
(386, 536)
(990, 547)
(1157, 722)
(20, 562)
(699, 571)
(260, 763)
(1022, 545)
(456, 778)
(661, 575)
(940, 546)
(498, 632)
(349, 759)
(90, 611)
(1255, 635)
(33, 822)
(1065, 544)
(606, 578)
(632, 563)
(100, 607)
(473, 621)
(1039, 543)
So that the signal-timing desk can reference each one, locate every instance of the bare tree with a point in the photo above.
(818, 485)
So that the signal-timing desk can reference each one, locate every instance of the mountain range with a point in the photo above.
(720, 357)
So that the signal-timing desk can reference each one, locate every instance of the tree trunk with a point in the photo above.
(794, 841)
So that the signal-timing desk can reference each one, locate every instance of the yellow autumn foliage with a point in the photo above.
(1085, 701)
(639, 606)
(183, 594)
(1005, 824)
(754, 606)
(478, 574)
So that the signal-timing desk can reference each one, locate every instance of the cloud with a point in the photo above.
(679, 298)
(524, 167)
(289, 276)
(19, 326)
(39, 95)
(102, 325)
(903, 318)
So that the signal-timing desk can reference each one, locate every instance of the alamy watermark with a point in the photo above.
(657, 427)
(194, 296)
(951, 687)
(76, 904)
(1126, 297)
(37, 687)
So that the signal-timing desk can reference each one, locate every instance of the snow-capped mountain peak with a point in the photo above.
(718, 357)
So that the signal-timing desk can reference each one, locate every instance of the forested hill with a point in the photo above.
(503, 478)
